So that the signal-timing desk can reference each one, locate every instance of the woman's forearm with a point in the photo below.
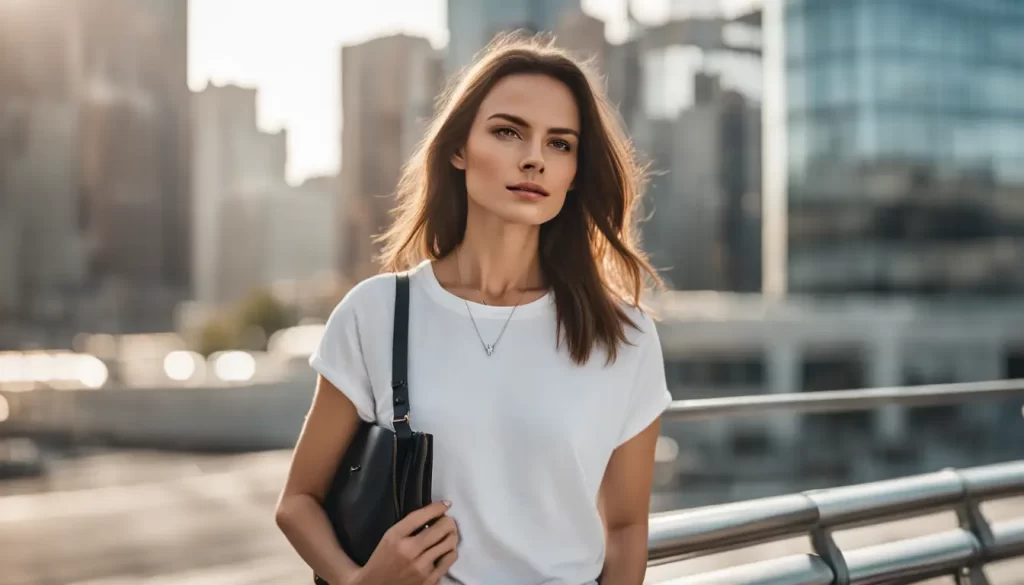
(307, 528)
(625, 561)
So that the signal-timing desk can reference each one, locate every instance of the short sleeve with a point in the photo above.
(339, 357)
(649, 395)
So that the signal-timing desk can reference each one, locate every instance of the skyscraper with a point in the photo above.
(231, 157)
(135, 139)
(94, 140)
(695, 112)
(388, 86)
(473, 23)
(899, 129)
(41, 236)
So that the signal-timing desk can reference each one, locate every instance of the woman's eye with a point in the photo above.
(507, 132)
(562, 145)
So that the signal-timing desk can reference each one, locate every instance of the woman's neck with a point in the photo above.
(496, 263)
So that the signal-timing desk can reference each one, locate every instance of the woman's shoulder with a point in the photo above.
(643, 321)
(642, 336)
(376, 293)
(375, 285)
(370, 295)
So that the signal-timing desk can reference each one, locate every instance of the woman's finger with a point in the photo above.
(443, 564)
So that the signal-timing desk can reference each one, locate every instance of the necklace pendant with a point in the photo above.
(489, 349)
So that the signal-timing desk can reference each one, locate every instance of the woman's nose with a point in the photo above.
(533, 161)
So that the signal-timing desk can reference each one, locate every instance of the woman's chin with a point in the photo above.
(516, 211)
(531, 215)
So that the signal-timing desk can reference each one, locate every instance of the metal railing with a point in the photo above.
(844, 400)
(818, 514)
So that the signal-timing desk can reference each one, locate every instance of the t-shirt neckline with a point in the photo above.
(456, 303)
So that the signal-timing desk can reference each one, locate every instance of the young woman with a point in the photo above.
(530, 359)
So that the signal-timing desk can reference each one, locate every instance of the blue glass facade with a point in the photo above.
(905, 158)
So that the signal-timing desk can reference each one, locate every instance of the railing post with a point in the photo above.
(971, 576)
(970, 517)
(825, 547)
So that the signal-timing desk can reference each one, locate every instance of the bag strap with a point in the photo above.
(400, 358)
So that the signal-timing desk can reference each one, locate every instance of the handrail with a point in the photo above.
(696, 532)
(1007, 540)
(993, 481)
(914, 559)
(844, 400)
(792, 570)
(907, 496)
(675, 535)
(690, 533)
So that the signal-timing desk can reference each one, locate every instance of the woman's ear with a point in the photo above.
(459, 160)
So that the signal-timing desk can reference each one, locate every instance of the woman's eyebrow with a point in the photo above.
(521, 122)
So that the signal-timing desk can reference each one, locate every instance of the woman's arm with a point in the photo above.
(625, 500)
(329, 427)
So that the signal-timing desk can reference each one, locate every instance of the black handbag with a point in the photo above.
(383, 474)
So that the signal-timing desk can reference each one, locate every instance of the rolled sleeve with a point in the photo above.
(339, 358)
(649, 395)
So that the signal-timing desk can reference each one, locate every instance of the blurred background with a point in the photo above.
(187, 188)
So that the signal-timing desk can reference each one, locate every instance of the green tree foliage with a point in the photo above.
(218, 334)
(248, 326)
(262, 310)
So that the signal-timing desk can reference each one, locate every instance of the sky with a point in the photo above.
(290, 51)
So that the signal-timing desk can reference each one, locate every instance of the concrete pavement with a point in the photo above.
(204, 521)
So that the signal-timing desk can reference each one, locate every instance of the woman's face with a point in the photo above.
(520, 157)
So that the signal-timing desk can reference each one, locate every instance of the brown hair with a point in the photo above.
(589, 252)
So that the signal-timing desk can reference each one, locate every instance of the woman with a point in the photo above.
(530, 360)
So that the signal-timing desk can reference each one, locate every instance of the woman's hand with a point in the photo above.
(403, 558)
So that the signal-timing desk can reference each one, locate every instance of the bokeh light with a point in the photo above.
(234, 366)
(181, 366)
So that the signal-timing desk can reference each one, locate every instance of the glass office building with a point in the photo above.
(903, 130)
(473, 23)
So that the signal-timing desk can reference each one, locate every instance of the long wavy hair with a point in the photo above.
(589, 253)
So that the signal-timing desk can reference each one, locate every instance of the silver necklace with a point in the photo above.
(489, 348)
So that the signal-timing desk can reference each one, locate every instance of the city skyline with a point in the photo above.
(289, 51)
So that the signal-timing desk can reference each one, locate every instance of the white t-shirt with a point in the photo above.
(521, 437)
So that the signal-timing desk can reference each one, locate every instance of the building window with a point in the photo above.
(1014, 368)
(932, 417)
(720, 374)
(836, 370)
